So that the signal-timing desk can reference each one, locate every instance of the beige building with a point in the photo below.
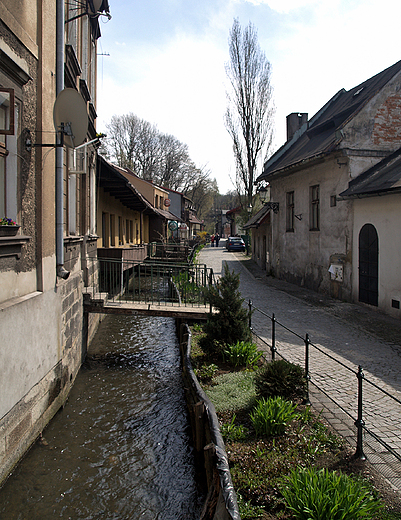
(309, 235)
(44, 260)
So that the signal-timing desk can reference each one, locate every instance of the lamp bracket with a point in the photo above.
(274, 206)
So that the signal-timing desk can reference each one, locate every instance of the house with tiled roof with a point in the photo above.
(309, 230)
(376, 243)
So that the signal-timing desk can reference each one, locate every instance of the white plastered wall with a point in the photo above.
(384, 213)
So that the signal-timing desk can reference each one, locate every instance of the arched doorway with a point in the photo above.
(368, 265)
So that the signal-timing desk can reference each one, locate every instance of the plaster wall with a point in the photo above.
(29, 349)
(45, 157)
(303, 256)
(21, 17)
(14, 284)
(384, 214)
(111, 205)
(261, 236)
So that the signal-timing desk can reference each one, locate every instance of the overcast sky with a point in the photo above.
(167, 62)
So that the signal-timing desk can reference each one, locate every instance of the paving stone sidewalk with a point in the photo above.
(343, 336)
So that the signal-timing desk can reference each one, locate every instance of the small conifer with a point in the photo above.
(230, 324)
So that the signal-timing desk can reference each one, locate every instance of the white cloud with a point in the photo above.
(285, 6)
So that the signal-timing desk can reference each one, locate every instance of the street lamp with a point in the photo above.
(264, 194)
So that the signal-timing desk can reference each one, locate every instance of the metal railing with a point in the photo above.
(361, 411)
(171, 252)
(155, 283)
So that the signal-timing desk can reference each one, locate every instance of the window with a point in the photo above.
(127, 231)
(105, 230)
(9, 113)
(314, 208)
(120, 231)
(112, 231)
(290, 211)
(6, 114)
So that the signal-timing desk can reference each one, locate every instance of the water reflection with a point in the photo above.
(120, 447)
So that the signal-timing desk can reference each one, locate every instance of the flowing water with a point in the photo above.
(120, 448)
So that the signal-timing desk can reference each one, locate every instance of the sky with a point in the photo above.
(164, 61)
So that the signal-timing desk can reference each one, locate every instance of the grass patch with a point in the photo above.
(233, 391)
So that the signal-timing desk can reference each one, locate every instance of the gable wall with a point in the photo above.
(303, 256)
(376, 130)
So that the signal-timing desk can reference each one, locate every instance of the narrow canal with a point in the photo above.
(120, 448)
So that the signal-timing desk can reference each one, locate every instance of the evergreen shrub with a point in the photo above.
(231, 323)
(280, 378)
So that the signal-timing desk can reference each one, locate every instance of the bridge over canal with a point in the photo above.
(167, 289)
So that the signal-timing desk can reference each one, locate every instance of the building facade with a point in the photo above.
(310, 236)
(44, 47)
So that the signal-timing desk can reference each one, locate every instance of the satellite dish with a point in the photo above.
(70, 113)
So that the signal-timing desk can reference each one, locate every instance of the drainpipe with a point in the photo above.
(61, 271)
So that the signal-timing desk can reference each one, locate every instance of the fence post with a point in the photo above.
(359, 423)
(250, 315)
(273, 347)
(307, 375)
(210, 285)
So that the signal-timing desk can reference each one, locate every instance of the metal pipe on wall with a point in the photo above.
(61, 271)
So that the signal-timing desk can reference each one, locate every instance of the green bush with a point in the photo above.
(271, 416)
(243, 353)
(280, 378)
(313, 494)
(230, 324)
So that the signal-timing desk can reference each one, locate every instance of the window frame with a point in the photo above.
(10, 112)
(314, 193)
(290, 211)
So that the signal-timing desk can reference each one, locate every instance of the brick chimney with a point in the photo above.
(294, 123)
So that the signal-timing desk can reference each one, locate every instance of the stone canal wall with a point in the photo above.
(210, 453)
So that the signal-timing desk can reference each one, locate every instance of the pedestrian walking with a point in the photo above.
(217, 239)
(212, 240)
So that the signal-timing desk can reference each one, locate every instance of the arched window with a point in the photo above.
(368, 265)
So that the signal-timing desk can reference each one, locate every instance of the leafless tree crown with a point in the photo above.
(161, 158)
(250, 110)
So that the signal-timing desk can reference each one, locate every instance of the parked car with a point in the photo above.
(235, 244)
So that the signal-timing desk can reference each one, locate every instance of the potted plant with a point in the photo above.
(8, 227)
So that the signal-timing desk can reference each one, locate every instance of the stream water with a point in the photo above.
(120, 448)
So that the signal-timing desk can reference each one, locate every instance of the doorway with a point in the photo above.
(368, 265)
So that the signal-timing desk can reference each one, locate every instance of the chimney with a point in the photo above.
(294, 123)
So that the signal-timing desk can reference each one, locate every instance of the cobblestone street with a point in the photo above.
(351, 335)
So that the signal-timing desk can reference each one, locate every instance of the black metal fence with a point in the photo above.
(155, 283)
(304, 352)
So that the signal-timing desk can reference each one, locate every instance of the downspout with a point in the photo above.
(60, 270)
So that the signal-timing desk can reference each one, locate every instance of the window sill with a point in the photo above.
(12, 246)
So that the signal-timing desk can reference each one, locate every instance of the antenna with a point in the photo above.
(71, 117)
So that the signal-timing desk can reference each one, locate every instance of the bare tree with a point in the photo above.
(136, 144)
(249, 115)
